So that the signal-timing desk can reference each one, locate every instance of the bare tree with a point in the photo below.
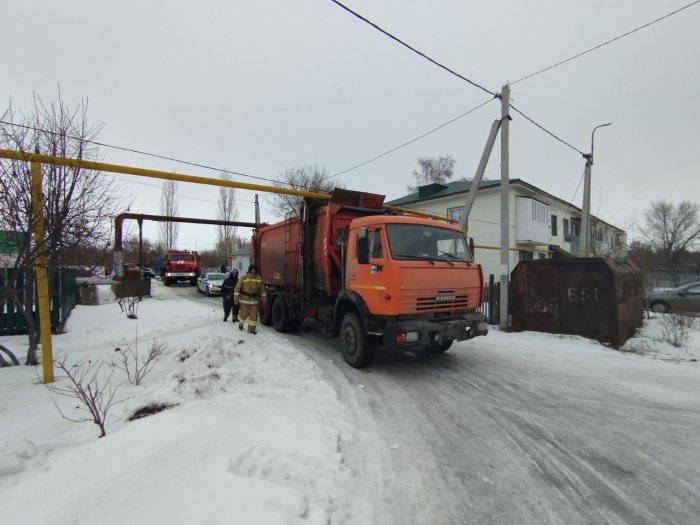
(306, 178)
(96, 395)
(226, 236)
(672, 230)
(135, 364)
(433, 170)
(78, 204)
(169, 207)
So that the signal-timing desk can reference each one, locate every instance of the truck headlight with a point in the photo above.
(411, 337)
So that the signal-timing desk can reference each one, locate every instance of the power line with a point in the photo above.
(129, 181)
(545, 129)
(495, 95)
(606, 42)
(413, 48)
(154, 155)
(412, 140)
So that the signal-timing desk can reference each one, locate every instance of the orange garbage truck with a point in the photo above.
(371, 276)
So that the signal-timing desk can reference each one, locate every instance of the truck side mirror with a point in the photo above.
(362, 246)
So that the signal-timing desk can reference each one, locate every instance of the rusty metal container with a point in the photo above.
(595, 297)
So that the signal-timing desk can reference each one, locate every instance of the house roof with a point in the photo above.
(437, 191)
(243, 250)
(450, 189)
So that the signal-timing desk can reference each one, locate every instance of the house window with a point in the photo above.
(538, 212)
(524, 256)
(565, 223)
(554, 225)
(541, 256)
(575, 227)
(455, 213)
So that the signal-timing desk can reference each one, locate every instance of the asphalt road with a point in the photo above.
(486, 435)
(480, 436)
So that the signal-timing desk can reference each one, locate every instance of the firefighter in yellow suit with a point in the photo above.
(248, 293)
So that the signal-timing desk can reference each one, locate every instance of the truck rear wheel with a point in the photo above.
(265, 313)
(358, 349)
(278, 313)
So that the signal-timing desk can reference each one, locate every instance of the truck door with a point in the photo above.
(371, 280)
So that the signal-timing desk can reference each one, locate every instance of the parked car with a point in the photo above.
(145, 271)
(210, 283)
(685, 298)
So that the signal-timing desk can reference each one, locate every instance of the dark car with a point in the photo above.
(685, 298)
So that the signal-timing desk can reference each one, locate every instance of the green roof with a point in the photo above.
(436, 191)
(10, 241)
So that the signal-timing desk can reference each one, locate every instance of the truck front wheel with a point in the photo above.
(358, 349)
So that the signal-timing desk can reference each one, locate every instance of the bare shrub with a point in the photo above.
(137, 365)
(95, 396)
(129, 293)
(13, 359)
(676, 328)
(130, 306)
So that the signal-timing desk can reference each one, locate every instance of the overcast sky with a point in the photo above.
(261, 86)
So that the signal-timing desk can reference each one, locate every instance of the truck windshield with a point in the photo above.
(418, 241)
(182, 257)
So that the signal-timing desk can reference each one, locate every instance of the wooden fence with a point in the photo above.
(63, 299)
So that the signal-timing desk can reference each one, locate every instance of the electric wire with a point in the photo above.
(607, 42)
(495, 95)
(339, 4)
(129, 181)
(545, 129)
(377, 27)
(145, 153)
(412, 140)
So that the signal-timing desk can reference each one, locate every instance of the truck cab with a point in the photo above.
(415, 282)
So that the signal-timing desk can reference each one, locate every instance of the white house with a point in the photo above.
(240, 259)
(541, 225)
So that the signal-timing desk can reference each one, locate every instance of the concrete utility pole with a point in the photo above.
(585, 244)
(474, 187)
(505, 215)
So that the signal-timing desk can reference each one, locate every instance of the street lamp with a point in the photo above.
(585, 243)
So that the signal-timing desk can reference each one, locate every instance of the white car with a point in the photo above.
(210, 283)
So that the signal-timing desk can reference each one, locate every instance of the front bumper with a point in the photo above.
(180, 275)
(422, 333)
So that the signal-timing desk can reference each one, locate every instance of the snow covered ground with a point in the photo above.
(254, 433)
